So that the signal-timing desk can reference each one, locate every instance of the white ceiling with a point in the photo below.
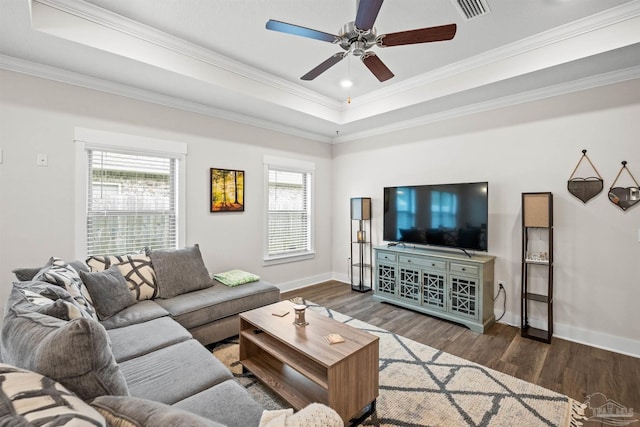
(216, 57)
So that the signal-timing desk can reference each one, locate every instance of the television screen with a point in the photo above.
(451, 215)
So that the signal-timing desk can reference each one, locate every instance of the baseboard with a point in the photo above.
(596, 339)
(304, 282)
(341, 277)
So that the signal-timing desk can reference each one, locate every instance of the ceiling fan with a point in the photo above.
(358, 36)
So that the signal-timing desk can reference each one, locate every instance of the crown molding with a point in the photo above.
(613, 16)
(99, 16)
(52, 73)
(63, 76)
(148, 34)
(135, 29)
(591, 82)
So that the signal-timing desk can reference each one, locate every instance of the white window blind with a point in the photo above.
(289, 212)
(131, 203)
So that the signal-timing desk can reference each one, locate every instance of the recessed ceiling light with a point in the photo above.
(346, 83)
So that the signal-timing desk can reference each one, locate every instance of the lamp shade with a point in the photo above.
(361, 208)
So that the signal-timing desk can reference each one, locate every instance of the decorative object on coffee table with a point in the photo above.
(585, 188)
(624, 197)
(361, 250)
(300, 319)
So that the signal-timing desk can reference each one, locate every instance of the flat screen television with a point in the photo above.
(447, 215)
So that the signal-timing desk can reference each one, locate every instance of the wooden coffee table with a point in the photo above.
(300, 365)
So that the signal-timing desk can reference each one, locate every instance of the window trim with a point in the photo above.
(86, 139)
(291, 165)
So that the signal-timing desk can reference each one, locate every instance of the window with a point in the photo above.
(132, 198)
(289, 219)
(406, 202)
(444, 209)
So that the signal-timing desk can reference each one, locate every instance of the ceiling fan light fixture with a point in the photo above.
(346, 83)
(358, 48)
(349, 35)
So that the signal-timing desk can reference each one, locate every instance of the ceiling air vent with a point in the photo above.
(472, 8)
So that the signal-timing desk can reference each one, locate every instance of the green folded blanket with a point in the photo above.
(235, 277)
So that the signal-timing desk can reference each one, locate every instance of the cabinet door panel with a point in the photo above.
(386, 279)
(464, 296)
(409, 284)
(434, 290)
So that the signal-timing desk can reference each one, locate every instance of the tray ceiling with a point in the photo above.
(217, 58)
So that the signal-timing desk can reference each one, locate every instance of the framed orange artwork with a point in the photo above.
(227, 190)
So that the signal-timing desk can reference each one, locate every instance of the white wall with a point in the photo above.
(37, 203)
(526, 148)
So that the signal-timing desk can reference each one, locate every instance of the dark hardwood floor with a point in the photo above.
(566, 367)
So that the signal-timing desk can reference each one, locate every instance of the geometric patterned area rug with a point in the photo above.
(422, 386)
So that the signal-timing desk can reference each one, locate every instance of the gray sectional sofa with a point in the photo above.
(137, 357)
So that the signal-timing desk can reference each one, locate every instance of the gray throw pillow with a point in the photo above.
(136, 269)
(179, 271)
(75, 353)
(109, 291)
(25, 274)
(61, 273)
(50, 299)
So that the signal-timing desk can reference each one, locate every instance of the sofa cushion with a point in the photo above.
(179, 271)
(233, 405)
(30, 399)
(49, 299)
(136, 269)
(206, 305)
(24, 274)
(143, 338)
(173, 373)
(143, 311)
(109, 291)
(136, 412)
(60, 273)
(76, 353)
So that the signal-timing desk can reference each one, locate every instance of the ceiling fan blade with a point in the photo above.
(376, 66)
(422, 35)
(297, 30)
(333, 60)
(367, 13)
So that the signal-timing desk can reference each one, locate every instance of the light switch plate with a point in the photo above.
(42, 160)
